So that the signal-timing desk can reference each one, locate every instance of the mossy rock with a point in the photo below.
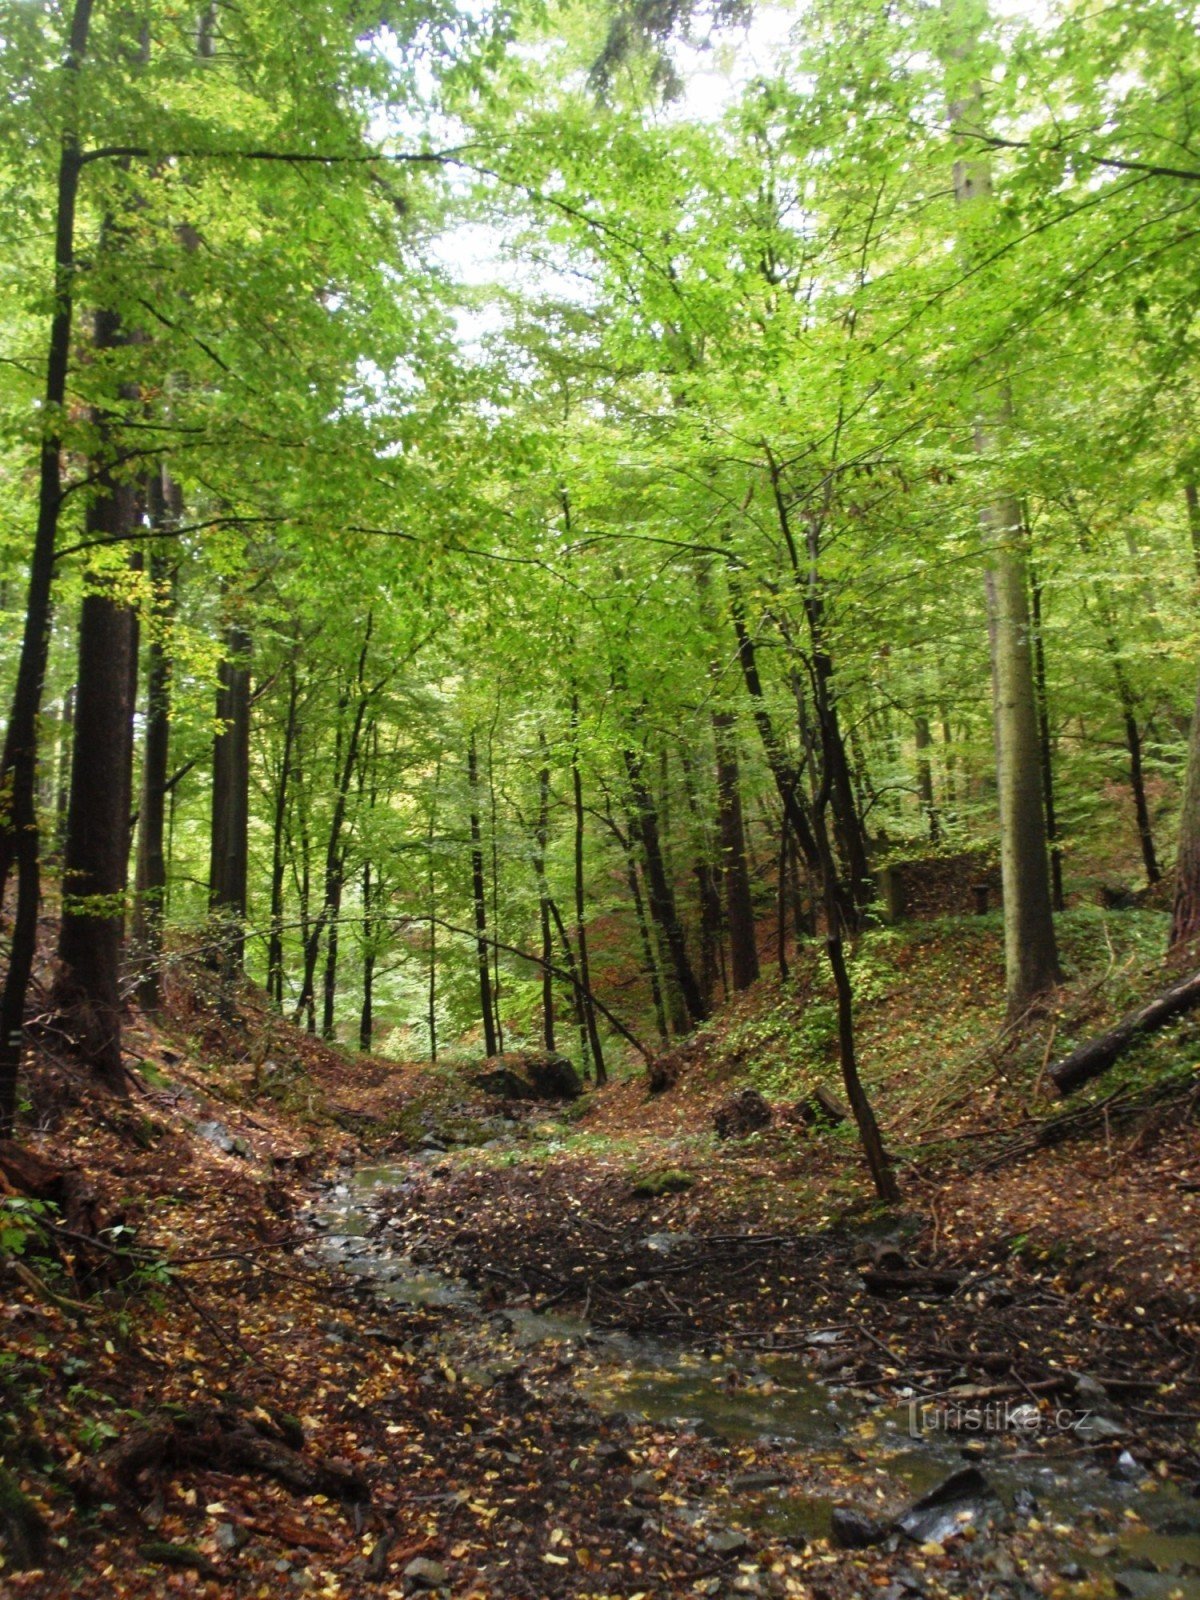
(671, 1180)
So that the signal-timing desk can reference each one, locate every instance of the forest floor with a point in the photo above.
(670, 1360)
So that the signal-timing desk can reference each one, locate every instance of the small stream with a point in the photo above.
(1126, 1527)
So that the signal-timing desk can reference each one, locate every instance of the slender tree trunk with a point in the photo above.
(809, 580)
(345, 765)
(707, 894)
(585, 977)
(882, 1174)
(924, 740)
(649, 964)
(333, 904)
(1185, 916)
(781, 899)
(278, 831)
(1191, 497)
(62, 788)
(785, 774)
(479, 896)
(1133, 743)
(228, 861)
(366, 1018)
(662, 896)
(494, 831)
(19, 842)
(432, 891)
(541, 833)
(735, 876)
(150, 881)
(572, 968)
(1045, 742)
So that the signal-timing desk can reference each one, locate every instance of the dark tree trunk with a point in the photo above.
(838, 782)
(785, 774)
(869, 1135)
(228, 865)
(19, 842)
(541, 833)
(649, 963)
(707, 894)
(1133, 743)
(278, 832)
(924, 739)
(781, 899)
(95, 866)
(333, 905)
(585, 977)
(366, 1018)
(165, 507)
(493, 829)
(735, 876)
(479, 897)
(1185, 916)
(345, 765)
(432, 890)
(662, 896)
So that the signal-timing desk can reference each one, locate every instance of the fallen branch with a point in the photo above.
(1089, 1060)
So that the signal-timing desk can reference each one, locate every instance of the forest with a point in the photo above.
(600, 798)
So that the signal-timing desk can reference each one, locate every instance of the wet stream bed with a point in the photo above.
(807, 1465)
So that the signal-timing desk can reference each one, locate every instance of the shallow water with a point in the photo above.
(763, 1397)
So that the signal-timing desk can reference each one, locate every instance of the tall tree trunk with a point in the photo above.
(871, 1139)
(924, 740)
(344, 767)
(366, 1016)
(432, 891)
(662, 896)
(649, 964)
(784, 772)
(278, 832)
(1185, 915)
(479, 897)
(809, 581)
(541, 833)
(1045, 742)
(229, 841)
(333, 905)
(781, 899)
(164, 506)
(1191, 497)
(494, 832)
(712, 965)
(95, 866)
(585, 977)
(62, 781)
(735, 876)
(1030, 948)
(19, 841)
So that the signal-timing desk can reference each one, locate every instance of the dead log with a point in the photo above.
(1088, 1061)
(910, 1281)
(216, 1440)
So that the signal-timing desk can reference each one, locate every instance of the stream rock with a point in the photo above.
(421, 1573)
(855, 1530)
(965, 1496)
